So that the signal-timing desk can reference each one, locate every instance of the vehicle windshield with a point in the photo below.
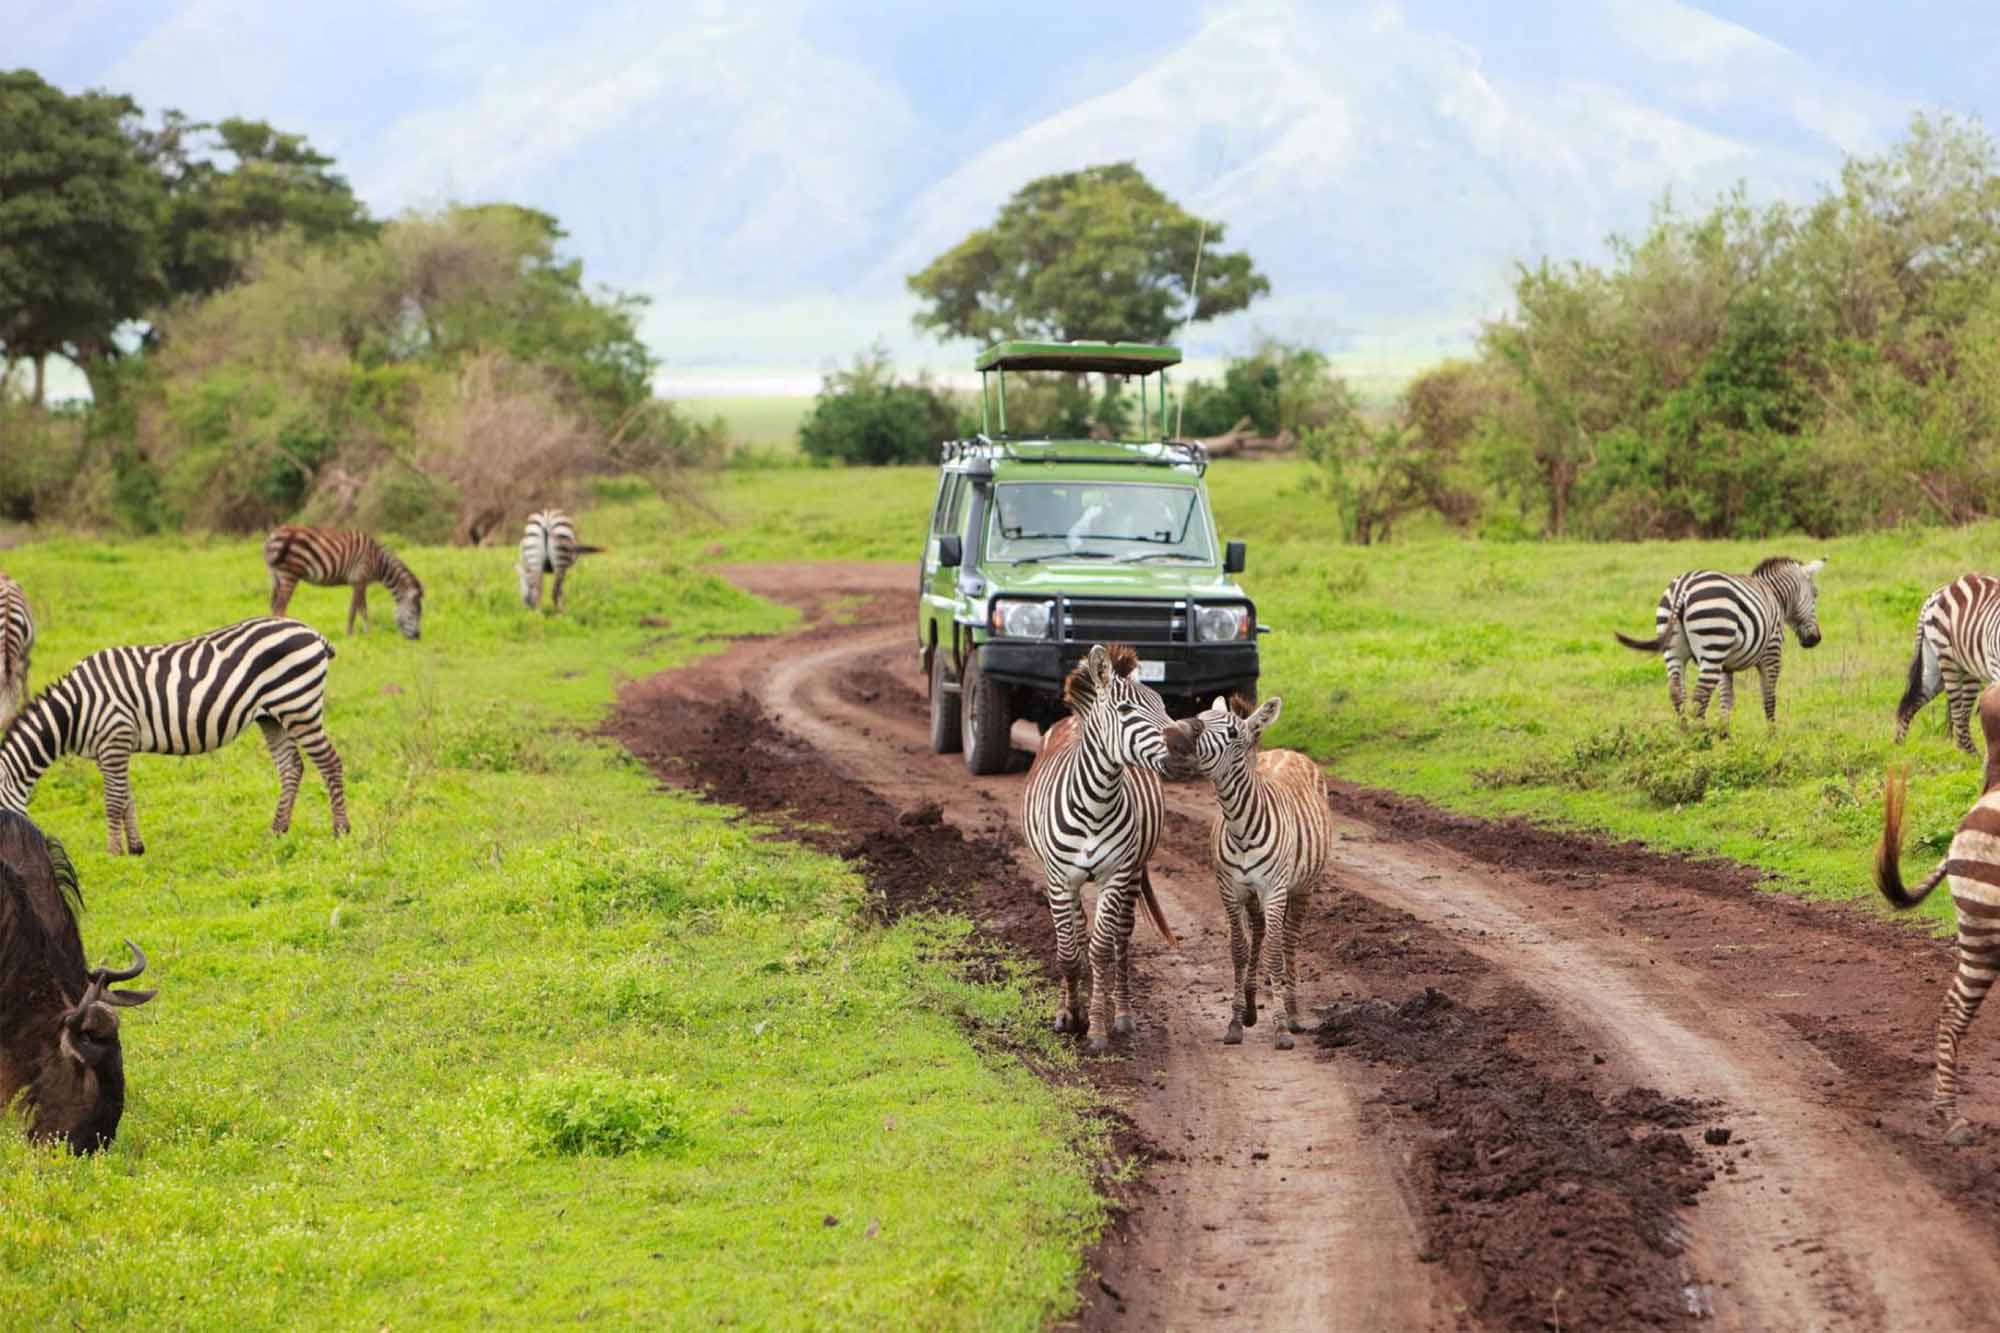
(1096, 520)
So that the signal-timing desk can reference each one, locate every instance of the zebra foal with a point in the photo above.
(17, 641)
(1972, 864)
(330, 557)
(548, 546)
(1269, 845)
(1726, 623)
(1958, 650)
(187, 697)
(1092, 813)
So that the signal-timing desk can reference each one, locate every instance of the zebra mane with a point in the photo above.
(1772, 564)
(1241, 706)
(1079, 689)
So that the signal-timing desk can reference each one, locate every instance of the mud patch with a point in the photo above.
(1552, 1205)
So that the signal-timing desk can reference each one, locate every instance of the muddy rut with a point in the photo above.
(1557, 1082)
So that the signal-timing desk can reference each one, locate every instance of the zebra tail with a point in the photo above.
(1652, 645)
(1153, 911)
(1925, 679)
(590, 550)
(1889, 852)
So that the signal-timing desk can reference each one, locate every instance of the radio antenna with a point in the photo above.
(1194, 303)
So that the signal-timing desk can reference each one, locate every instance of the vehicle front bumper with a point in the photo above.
(1193, 670)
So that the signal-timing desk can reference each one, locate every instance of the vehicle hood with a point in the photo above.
(1085, 578)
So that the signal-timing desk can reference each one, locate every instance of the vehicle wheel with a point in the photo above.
(944, 709)
(984, 722)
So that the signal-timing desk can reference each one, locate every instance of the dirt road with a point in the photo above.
(1559, 1083)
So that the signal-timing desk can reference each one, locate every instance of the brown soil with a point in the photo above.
(1529, 1035)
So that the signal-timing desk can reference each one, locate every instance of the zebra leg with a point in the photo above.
(1704, 686)
(1728, 699)
(1253, 910)
(555, 593)
(1295, 916)
(1110, 1000)
(1978, 964)
(1676, 665)
(282, 587)
(1961, 694)
(358, 607)
(1239, 957)
(290, 769)
(1272, 960)
(1767, 678)
(310, 736)
(1066, 911)
(114, 760)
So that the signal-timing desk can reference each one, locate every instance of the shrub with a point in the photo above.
(864, 415)
(593, 1113)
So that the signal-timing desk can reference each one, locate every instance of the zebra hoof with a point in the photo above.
(1960, 1134)
(340, 829)
(1284, 1040)
(1250, 1013)
(1067, 1022)
(1123, 1025)
(1099, 1044)
(1234, 1036)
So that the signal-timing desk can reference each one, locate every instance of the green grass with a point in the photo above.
(539, 1042)
(1484, 676)
(764, 423)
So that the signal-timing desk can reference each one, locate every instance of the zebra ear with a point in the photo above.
(1814, 566)
(1099, 663)
(1266, 714)
(1220, 705)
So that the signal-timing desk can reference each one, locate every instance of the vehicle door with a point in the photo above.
(940, 582)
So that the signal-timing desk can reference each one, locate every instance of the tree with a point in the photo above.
(864, 414)
(79, 223)
(1096, 253)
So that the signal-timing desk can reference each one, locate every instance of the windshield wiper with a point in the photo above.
(1063, 555)
(1161, 555)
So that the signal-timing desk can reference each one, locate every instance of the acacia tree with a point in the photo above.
(1096, 253)
(79, 222)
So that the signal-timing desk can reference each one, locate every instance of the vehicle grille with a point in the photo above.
(1107, 620)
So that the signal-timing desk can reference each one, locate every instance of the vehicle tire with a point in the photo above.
(944, 709)
(984, 722)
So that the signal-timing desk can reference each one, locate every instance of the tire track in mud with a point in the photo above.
(1291, 1192)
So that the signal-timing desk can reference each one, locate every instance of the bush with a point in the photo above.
(1278, 387)
(865, 415)
(598, 1114)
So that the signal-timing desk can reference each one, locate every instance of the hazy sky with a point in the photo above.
(768, 170)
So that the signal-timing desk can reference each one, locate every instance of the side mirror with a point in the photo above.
(1232, 558)
(951, 552)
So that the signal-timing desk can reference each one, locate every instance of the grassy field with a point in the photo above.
(539, 1042)
(1484, 676)
(764, 424)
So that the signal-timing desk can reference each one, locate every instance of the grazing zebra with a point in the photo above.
(329, 557)
(1269, 845)
(1972, 864)
(1092, 812)
(188, 697)
(1726, 623)
(548, 547)
(17, 641)
(1958, 650)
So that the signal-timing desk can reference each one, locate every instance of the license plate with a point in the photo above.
(1152, 671)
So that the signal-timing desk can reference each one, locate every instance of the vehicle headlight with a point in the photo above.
(1021, 620)
(1219, 624)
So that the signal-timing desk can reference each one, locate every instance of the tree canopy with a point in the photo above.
(1096, 253)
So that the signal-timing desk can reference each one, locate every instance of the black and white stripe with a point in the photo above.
(188, 697)
(330, 557)
(1958, 652)
(17, 643)
(1092, 813)
(548, 546)
(1726, 623)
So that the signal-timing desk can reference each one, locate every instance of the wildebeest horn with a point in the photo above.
(123, 974)
(125, 999)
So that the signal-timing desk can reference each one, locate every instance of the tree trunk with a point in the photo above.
(40, 360)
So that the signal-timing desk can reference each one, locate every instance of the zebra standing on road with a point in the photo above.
(17, 642)
(1972, 864)
(1269, 846)
(1958, 650)
(188, 697)
(1726, 623)
(1092, 812)
(329, 557)
(548, 547)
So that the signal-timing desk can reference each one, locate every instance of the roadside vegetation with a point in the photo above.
(540, 1042)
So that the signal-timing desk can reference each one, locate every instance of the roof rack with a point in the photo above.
(1156, 453)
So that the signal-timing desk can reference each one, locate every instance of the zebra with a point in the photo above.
(1092, 811)
(329, 557)
(17, 642)
(1972, 864)
(187, 697)
(1958, 650)
(548, 547)
(1726, 623)
(1270, 844)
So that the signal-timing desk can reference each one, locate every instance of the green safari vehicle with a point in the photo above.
(1039, 548)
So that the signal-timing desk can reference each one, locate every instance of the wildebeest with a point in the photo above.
(59, 1051)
